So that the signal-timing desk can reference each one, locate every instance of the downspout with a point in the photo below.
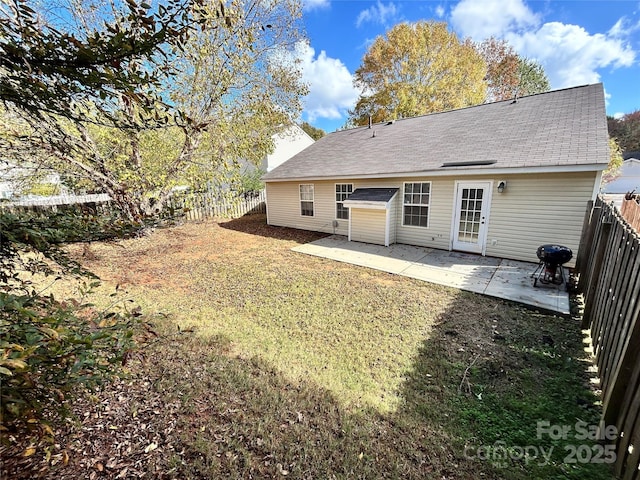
(596, 186)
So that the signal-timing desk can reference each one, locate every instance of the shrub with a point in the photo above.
(48, 346)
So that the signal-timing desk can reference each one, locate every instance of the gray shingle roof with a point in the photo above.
(559, 128)
(373, 194)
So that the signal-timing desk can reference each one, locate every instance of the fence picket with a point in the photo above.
(199, 206)
(624, 290)
(609, 271)
(630, 211)
(608, 290)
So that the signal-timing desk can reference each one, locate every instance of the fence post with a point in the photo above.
(585, 240)
(603, 240)
(595, 215)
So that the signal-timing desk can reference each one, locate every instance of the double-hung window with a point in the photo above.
(343, 190)
(306, 200)
(416, 204)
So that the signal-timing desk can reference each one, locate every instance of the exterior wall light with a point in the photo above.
(501, 186)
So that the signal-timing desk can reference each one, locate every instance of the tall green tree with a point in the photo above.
(313, 132)
(615, 161)
(626, 130)
(218, 95)
(502, 68)
(415, 69)
(532, 78)
(48, 68)
(508, 74)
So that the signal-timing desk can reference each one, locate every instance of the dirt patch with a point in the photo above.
(164, 256)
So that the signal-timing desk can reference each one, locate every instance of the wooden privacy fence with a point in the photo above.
(193, 206)
(198, 206)
(94, 203)
(631, 211)
(609, 278)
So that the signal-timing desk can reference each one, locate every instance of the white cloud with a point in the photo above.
(570, 55)
(314, 4)
(439, 11)
(480, 19)
(378, 13)
(331, 90)
(623, 28)
(618, 30)
(618, 115)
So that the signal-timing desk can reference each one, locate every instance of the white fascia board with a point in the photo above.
(456, 172)
(366, 204)
(369, 203)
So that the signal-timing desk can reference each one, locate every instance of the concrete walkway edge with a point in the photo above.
(501, 278)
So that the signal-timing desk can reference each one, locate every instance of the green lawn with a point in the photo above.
(270, 363)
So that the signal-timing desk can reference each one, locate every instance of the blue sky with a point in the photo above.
(577, 42)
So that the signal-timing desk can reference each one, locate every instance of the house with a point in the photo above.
(286, 144)
(626, 180)
(15, 179)
(497, 179)
(245, 177)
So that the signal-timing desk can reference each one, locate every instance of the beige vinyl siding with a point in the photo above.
(538, 209)
(440, 211)
(368, 225)
(283, 207)
(437, 234)
(535, 209)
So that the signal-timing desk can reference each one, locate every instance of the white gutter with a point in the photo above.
(454, 172)
(366, 204)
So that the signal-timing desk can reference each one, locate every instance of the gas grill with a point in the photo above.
(550, 270)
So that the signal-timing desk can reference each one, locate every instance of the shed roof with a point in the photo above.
(372, 194)
(558, 129)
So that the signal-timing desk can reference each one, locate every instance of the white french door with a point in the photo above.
(473, 200)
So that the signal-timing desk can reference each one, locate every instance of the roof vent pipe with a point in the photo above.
(369, 121)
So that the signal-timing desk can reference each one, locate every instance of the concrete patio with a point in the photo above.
(507, 279)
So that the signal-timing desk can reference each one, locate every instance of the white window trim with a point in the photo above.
(312, 201)
(335, 210)
(417, 205)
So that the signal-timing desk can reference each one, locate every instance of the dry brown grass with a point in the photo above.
(271, 364)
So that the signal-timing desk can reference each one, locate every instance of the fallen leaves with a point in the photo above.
(120, 431)
(29, 451)
(151, 447)
(281, 470)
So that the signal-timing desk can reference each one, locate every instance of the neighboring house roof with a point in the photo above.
(628, 178)
(563, 129)
(286, 144)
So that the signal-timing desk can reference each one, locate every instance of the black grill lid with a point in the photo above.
(554, 254)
